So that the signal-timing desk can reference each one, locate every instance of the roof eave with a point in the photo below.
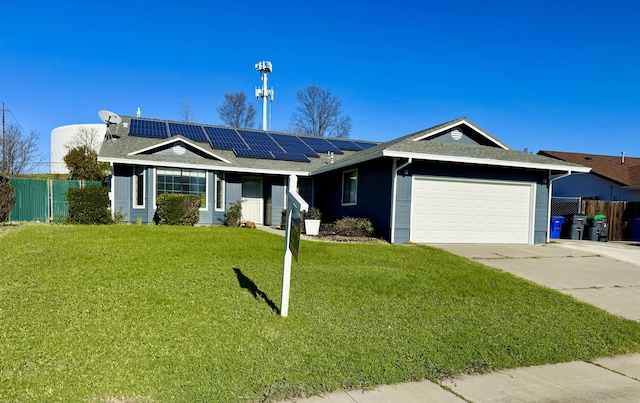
(168, 164)
(485, 161)
(470, 125)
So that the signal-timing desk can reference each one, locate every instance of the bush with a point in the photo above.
(313, 214)
(178, 209)
(7, 199)
(233, 216)
(354, 227)
(89, 205)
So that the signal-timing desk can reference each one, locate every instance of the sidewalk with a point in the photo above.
(614, 379)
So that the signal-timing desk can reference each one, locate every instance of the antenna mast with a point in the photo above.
(264, 93)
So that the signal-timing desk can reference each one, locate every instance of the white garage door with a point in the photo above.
(471, 211)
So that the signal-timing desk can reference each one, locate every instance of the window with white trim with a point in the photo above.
(138, 187)
(219, 191)
(350, 187)
(185, 181)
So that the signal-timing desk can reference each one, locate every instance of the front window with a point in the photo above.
(219, 192)
(138, 187)
(185, 181)
(349, 187)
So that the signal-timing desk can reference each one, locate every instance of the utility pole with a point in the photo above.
(3, 167)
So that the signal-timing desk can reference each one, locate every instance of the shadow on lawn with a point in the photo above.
(246, 282)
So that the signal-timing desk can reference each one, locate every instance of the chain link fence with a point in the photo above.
(561, 206)
(43, 200)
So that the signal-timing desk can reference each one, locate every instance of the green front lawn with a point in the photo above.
(146, 313)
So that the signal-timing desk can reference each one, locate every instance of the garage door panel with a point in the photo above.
(468, 211)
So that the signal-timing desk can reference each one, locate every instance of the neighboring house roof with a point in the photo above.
(458, 141)
(623, 171)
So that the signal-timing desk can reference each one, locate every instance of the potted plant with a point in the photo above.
(312, 221)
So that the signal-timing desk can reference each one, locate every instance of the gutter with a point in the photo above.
(395, 170)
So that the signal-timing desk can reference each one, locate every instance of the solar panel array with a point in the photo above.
(148, 128)
(193, 132)
(248, 143)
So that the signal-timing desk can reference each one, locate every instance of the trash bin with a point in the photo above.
(556, 226)
(635, 229)
(575, 225)
(597, 228)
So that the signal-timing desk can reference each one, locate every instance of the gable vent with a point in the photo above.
(179, 149)
(456, 134)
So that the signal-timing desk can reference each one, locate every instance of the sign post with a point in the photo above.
(295, 204)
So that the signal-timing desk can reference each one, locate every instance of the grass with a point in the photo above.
(145, 313)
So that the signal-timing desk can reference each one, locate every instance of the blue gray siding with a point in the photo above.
(373, 195)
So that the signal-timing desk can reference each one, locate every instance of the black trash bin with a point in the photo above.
(575, 226)
(597, 228)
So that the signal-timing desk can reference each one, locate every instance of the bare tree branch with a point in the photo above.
(18, 150)
(319, 114)
(187, 112)
(85, 137)
(236, 112)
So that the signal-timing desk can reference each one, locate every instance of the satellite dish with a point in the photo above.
(109, 118)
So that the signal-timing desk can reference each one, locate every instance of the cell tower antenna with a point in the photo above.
(264, 93)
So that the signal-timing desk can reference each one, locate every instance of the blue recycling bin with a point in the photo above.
(556, 226)
(635, 229)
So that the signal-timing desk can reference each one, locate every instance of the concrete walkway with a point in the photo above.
(606, 275)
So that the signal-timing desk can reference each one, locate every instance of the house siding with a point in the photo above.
(373, 195)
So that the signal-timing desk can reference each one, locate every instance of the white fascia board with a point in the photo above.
(349, 162)
(451, 126)
(167, 164)
(484, 161)
(175, 140)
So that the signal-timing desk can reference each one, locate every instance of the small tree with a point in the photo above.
(319, 114)
(235, 111)
(7, 199)
(17, 149)
(85, 137)
(186, 114)
(83, 164)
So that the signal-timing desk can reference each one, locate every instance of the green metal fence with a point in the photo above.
(43, 200)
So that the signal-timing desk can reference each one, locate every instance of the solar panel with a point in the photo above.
(224, 138)
(345, 145)
(243, 152)
(193, 132)
(365, 145)
(289, 156)
(293, 145)
(148, 128)
(321, 145)
(259, 141)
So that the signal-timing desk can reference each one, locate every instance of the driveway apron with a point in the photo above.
(604, 274)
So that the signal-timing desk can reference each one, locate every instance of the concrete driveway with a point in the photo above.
(604, 274)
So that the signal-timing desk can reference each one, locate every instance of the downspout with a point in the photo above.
(395, 170)
(112, 198)
(549, 199)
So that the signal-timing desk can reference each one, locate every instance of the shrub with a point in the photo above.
(89, 205)
(233, 216)
(178, 209)
(313, 214)
(354, 227)
(7, 199)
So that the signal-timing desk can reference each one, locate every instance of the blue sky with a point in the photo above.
(536, 74)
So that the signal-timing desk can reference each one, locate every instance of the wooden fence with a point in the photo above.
(618, 215)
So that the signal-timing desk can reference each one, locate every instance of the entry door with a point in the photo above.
(252, 203)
